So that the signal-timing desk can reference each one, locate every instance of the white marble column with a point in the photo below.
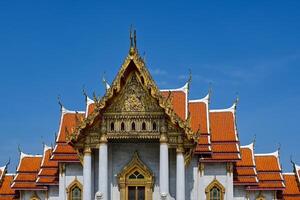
(87, 174)
(103, 170)
(180, 174)
(164, 167)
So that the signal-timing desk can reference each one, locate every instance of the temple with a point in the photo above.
(139, 142)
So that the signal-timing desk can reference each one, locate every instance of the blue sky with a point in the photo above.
(51, 48)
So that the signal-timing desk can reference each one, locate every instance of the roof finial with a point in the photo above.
(237, 98)
(8, 162)
(59, 102)
(291, 159)
(254, 141)
(131, 36)
(84, 92)
(55, 137)
(210, 88)
(105, 83)
(134, 37)
(279, 147)
(19, 149)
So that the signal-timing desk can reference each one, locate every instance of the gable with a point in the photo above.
(133, 98)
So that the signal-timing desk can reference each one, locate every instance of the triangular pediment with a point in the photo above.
(133, 96)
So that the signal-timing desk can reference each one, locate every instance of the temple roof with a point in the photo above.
(6, 192)
(27, 171)
(269, 172)
(245, 169)
(48, 173)
(63, 152)
(224, 137)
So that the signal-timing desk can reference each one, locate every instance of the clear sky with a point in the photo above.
(51, 48)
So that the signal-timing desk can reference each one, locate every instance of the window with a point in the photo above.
(76, 193)
(136, 175)
(215, 194)
(112, 126)
(154, 127)
(122, 126)
(143, 126)
(133, 126)
(75, 190)
(215, 191)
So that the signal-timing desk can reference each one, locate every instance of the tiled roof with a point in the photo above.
(48, 174)
(6, 192)
(90, 106)
(199, 113)
(245, 169)
(292, 190)
(269, 172)
(27, 171)
(179, 100)
(224, 138)
(63, 152)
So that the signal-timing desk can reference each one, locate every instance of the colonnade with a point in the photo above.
(102, 192)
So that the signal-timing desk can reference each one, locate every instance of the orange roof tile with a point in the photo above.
(245, 170)
(224, 139)
(90, 106)
(199, 115)
(269, 172)
(28, 168)
(6, 192)
(63, 152)
(292, 185)
(222, 126)
(48, 174)
(179, 100)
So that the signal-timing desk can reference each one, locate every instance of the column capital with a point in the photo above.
(180, 149)
(87, 150)
(163, 138)
(103, 138)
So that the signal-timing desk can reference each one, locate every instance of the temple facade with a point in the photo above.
(139, 142)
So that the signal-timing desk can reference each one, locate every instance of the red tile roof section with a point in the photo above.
(27, 171)
(199, 114)
(63, 152)
(48, 174)
(292, 190)
(6, 192)
(269, 172)
(90, 106)
(224, 138)
(179, 100)
(245, 169)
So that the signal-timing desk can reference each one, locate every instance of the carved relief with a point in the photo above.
(133, 98)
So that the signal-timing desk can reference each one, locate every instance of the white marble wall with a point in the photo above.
(26, 195)
(218, 171)
(53, 193)
(72, 172)
(240, 194)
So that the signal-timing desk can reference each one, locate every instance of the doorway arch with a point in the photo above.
(136, 179)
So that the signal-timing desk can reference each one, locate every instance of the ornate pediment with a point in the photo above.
(133, 98)
(132, 108)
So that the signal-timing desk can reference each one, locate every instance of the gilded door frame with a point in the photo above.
(124, 182)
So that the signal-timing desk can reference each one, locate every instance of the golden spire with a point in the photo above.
(132, 37)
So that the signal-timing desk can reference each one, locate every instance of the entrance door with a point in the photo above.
(136, 193)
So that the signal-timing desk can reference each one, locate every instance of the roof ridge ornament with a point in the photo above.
(132, 36)
(105, 83)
